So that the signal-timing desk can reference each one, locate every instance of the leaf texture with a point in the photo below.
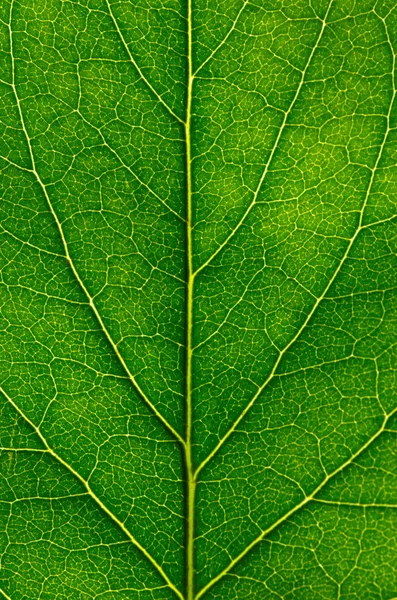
(198, 299)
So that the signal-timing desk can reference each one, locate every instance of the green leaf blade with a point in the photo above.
(198, 258)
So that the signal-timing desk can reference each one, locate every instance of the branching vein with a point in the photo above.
(319, 299)
(97, 500)
(132, 59)
(296, 508)
(68, 257)
(223, 42)
(274, 147)
(270, 377)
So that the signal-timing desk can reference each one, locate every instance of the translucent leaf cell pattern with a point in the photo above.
(198, 301)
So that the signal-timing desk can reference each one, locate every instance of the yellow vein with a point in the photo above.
(13, 164)
(354, 504)
(94, 496)
(6, 596)
(132, 59)
(380, 222)
(29, 244)
(274, 148)
(222, 323)
(319, 299)
(240, 299)
(40, 450)
(191, 481)
(69, 259)
(119, 158)
(301, 504)
(223, 42)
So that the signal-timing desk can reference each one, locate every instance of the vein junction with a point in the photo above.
(265, 216)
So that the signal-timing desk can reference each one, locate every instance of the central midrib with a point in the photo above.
(190, 476)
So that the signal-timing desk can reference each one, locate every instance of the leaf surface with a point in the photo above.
(198, 299)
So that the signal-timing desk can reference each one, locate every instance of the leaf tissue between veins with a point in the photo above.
(198, 308)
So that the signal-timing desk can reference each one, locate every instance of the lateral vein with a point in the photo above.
(387, 417)
(80, 282)
(98, 501)
(320, 298)
(223, 42)
(132, 59)
(295, 509)
(120, 159)
(354, 504)
(6, 596)
(274, 148)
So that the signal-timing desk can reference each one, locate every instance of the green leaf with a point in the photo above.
(198, 299)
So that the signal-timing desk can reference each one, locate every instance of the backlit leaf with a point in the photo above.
(198, 301)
